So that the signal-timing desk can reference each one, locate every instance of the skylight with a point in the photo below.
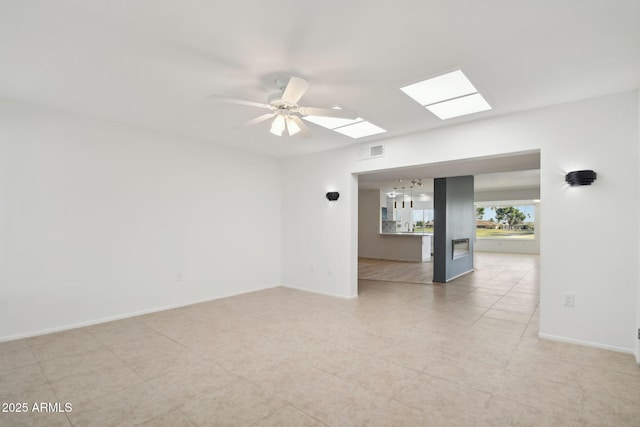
(459, 106)
(448, 95)
(360, 129)
(331, 122)
(356, 128)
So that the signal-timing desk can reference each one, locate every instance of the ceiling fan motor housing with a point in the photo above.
(275, 100)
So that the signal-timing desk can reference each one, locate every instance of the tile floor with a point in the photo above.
(402, 354)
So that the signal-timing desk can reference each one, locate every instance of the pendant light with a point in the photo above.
(403, 197)
(395, 203)
(411, 197)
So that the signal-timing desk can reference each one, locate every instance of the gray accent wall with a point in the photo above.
(454, 219)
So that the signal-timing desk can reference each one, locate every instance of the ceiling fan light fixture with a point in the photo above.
(278, 125)
(292, 126)
(287, 114)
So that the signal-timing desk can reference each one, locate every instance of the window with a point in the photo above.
(423, 220)
(505, 221)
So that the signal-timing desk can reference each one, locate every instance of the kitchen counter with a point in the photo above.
(409, 249)
(406, 233)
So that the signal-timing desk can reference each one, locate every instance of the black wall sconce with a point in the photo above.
(332, 196)
(585, 177)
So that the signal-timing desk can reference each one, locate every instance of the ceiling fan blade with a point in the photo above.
(258, 119)
(239, 101)
(305, 132)
(294, 90)
(328, 112)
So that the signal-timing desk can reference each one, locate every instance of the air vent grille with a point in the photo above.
(371, 151)
(376, 151)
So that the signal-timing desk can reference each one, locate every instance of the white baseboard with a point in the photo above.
(328, 294)
(588, 343)
(107, 319)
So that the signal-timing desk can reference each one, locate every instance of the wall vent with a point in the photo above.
(371, 152)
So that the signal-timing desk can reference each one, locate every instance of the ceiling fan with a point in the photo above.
(284, 109)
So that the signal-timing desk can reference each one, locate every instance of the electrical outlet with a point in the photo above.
(329, 270)
(567, 299)
(179, 276)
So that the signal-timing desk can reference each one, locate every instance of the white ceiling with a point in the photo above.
(152, 63)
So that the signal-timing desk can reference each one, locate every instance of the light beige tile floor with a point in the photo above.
(402, 354)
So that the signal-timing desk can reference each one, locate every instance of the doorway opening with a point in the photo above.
(509, 179)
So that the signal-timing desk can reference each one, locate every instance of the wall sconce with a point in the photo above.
(332, 196)
(585, 177)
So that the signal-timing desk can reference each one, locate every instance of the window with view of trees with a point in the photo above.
(423, 220)
(505, 221)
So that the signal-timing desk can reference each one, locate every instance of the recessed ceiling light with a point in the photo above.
(449, 95)
(459, 106)
(360, 129)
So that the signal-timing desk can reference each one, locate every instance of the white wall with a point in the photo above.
(96, 219)
(599, 266)
(319, 238)
(638, 260)
(369, 223)
(509, 246)
(592, 263)
(507, 195)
